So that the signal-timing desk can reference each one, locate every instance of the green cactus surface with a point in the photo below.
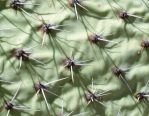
(74, 57)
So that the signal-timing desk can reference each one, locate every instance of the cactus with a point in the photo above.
(74, 58)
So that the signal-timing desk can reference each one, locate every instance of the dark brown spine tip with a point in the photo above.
(89, 96)
(16, 4)
(68, 63)
(117, 71)
(145, 44)
(20, 53)
(38, 86)
(45, 28)
(8, 105)
(93, 38)
(123, 15)
(140, 96)
(72, 2)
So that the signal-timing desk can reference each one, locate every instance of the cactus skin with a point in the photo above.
(63, 40)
